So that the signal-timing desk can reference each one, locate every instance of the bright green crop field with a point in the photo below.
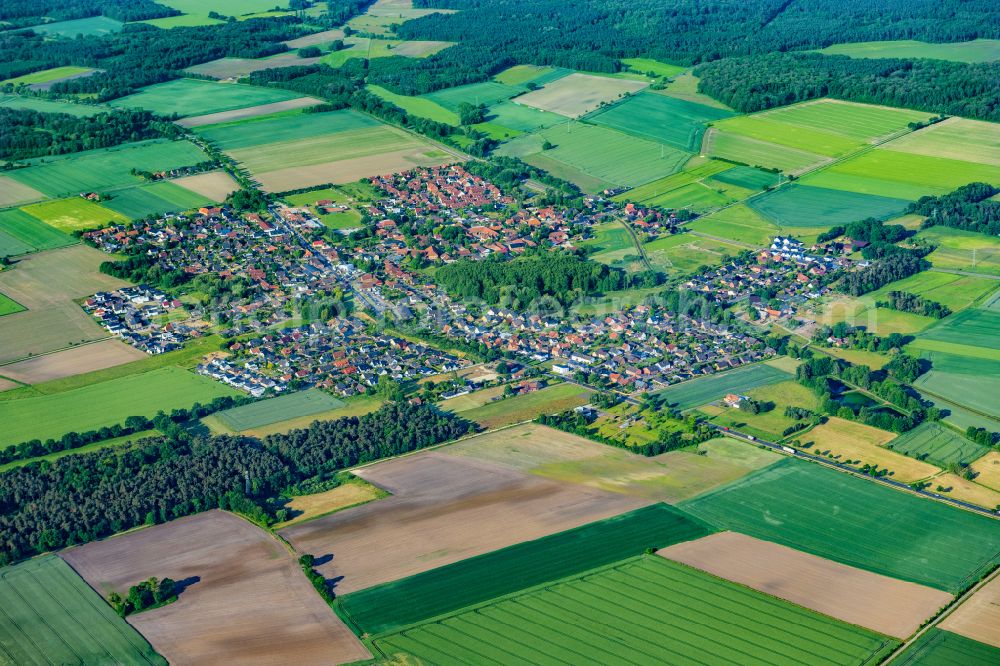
(447, 589)
(975, 327)
(646, 610)
(676, 122)
(49, 615)
(860, 122)
(739, 223)
(602, 153)
(194, 97)
(106, 168)
(50, 106)
(94, 25)
(155, 199)
(754, 152)
(9, 306)
(748, 177)
(417, 106)
(522, 118)
(266, 412)
(978, 50)
(702, 390)
(488, 93)
(963, 250)
(655, 67)
(857, 522)
(105, 404)
(944, 648)
(47, 75)
(803, 206)
(937, 444)
(684, 253)
(74, 214)
(257, 132)
(766, 127)
(21, 233)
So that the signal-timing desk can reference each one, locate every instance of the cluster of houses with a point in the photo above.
(775, 282)
(134, 314)
(341, 356)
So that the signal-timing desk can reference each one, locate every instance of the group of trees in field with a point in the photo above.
(856, 337)
(79, 498)
(508, 173)
(759, 82)
(579, 423)
(562, 277)
(969, 208)
(894, 266)
(820, 373)
(148, 594)
(904, 301)
(25, 133)
(23, 13)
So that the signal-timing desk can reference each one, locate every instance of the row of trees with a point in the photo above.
(904, 301)
(856, 337)
(895, 266)
(25, 133)
(79, 498)
(969, 208)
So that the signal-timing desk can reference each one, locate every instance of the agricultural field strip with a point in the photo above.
(389, 607)
(702, 390)
(281, 408)
(944, 648)
(940, 444)
(816, 510)
(672, 598)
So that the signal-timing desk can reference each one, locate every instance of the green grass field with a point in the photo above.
(46, 75)
(182, 21)
(21, 233)
(9, 306)
(802, 206)
(857, 522)
(224, 7)
(684, 253)
(155, 199)
(771, 424)
(698, 197)
(650, 66)
(676, 122)
(963, 250)
(521, 118)
(194, 97)
(104, 404)
(49, 615)
(50, 106)
(273, 410)
(702, 390)
(978, 50)
(739, 223)
(417, 106)
(107, 168)
(74, 214)
(956, 138)
(599, 152)
(488, 93)
(611, 243)
(94, 25)
(264, 130)
(661, 186)
(945, 648)
(749, 178)
(521, 74)
(938, 445)
(766, 127)
(975, 327)
(753, 152)
(645, 610)
(394, 605)
(549, 400)
(903, 175)
(956, 291)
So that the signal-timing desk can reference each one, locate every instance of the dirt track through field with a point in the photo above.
(247, 602)
(69, 362)
(248, 112)
(887, 605)
(444, 509)
(979, 617)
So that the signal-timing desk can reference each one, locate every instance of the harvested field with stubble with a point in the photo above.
(216, 185)
(350, 170)
(69, 362)
(248, 112)
(886, 605)
(245, 600)
(444, 509)
(577, 94)
(978, 617)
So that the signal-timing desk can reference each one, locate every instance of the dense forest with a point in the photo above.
(25, 133)
(969, 208)
(523, 282)
(755, 83)
(593, 34)
(140, 54)
(83, 497)
(23, 13)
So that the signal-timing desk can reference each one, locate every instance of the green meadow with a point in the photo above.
(194, 97)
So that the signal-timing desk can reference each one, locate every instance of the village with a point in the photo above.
(134, 314)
